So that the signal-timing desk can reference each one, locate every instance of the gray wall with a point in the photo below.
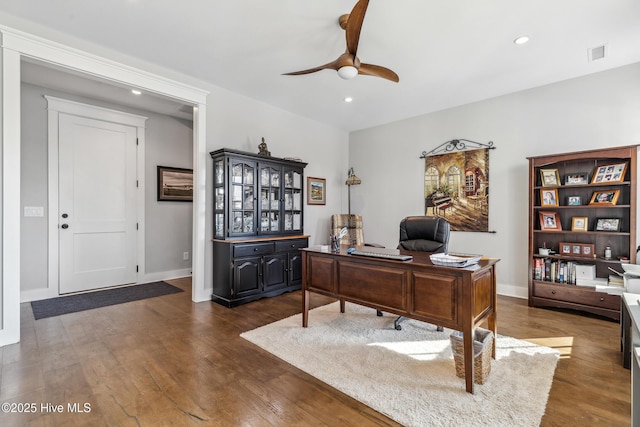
(169, 142)
(595, 111)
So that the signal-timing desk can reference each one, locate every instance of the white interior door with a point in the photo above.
(97, 204)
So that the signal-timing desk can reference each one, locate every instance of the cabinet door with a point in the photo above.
(270, 204)
(218, 194)
(247, 277)
(242, 186)
(275, 268)
(295, 268)
(293, 192)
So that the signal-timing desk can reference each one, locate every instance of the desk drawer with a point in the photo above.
(576, 294)
(290, 245)
(252, 249)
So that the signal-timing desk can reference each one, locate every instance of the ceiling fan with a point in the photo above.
(348, 65)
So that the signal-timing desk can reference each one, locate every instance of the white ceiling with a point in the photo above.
(447, 53)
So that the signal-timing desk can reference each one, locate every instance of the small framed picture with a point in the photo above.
(588, 250)
(576, 178)
(564, 248)
(574, 201)
(579, 223)
(606, 197)
(576, 249)
(316, 191)
(175, 184)
(548, 197)
(550, 177)
(550, 221)
(609, 173)
(608, 224)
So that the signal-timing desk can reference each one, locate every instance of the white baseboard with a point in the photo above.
(46, 293)
(512, 291)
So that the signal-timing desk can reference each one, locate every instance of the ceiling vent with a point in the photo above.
(597, 53)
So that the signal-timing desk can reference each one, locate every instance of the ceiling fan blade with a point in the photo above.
(378, 71)
(333, 65)
(354, 25)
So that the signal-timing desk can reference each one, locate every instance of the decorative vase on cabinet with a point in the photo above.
(258, 226)
(582, 223)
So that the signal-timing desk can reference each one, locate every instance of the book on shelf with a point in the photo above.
(615, 280)
(552, 270)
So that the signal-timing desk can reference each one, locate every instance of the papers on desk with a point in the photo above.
(454, 260)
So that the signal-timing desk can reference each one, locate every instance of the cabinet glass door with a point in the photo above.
(242, 197)
(292, 200)
(270, 199)
(219, 198)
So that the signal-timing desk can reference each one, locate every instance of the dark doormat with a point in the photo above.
(80, 302)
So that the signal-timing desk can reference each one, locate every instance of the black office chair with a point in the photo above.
(426, 234)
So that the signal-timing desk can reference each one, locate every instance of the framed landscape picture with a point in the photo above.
(175, 184)
(316, 191)
(576, 178)
(607, 224)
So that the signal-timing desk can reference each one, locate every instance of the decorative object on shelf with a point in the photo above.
(576, 249)
(262, 149)
(548, 197)
(549, 177)
(579, 223)
(609, 173)
(574, 201)
(576, 178)
(607, 252)
(605, 197)
(316, 191)
(607, 224)
(175, 184)
(352, 179)
(550, 221)
(456, 183)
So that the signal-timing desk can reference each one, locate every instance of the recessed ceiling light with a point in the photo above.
(348, 99)
(135, 92)
(521, 40)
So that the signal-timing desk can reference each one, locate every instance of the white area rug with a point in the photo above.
(409, 375)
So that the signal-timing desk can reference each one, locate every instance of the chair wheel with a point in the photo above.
(398, 328)
(439, 329)
(378, 313)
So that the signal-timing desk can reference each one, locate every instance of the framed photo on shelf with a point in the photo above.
(549, 197)
(609, 173)
(607, 224)
(574, 201)
(576, 178)
(576, 249)
(605, 197)
(579, 223)
(564, 248)
(549, 221)
(550, 177)
(316, 191)
(588, 250)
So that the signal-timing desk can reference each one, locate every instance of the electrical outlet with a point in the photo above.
(185, 256)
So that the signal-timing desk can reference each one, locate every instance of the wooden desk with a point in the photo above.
(455, 298)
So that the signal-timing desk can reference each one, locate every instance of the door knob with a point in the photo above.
(65, 226)
(64, 215)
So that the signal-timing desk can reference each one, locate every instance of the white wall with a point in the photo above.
(599, 110)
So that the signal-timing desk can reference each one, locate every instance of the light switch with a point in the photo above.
(33, 211)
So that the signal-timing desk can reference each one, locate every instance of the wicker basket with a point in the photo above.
(482, 349)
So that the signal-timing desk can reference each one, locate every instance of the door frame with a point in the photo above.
(16, 45)
(55, 106)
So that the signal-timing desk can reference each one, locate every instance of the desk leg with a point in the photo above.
(492, 323)
(341, 305)
(305, 308)
(467, 338)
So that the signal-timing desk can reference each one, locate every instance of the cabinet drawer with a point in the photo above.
(575, 294)
(290, 245)
(252, 249)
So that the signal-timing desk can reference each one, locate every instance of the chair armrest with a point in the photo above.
(375, 245)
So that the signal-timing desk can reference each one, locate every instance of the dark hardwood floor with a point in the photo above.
(168, 361)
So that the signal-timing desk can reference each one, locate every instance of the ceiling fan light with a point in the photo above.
(347, 72)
